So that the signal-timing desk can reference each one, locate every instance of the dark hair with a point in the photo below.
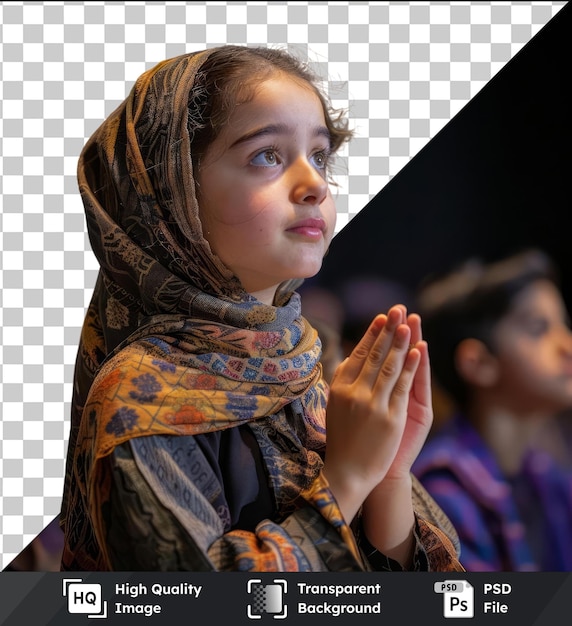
(468, 303)
(230, 75)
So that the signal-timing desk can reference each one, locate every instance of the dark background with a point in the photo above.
(495, 179)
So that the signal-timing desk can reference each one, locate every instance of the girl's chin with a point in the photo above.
(305, 275)
(310, 268)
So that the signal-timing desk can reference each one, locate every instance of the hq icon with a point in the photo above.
(84, 598)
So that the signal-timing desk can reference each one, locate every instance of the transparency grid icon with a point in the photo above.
(401, 69)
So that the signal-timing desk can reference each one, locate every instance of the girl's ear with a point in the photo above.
(476, 364)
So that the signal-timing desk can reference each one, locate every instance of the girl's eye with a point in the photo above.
(267, 158)
(321, 159)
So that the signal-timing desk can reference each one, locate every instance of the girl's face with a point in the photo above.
(534, 350)
(264, 201)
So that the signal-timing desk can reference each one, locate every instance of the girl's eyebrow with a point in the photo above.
(277, 129)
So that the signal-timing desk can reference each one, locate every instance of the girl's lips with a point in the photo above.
(313, 228)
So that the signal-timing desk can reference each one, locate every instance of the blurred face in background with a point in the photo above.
(534, 351)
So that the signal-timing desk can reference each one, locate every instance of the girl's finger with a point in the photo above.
(399, 399)
(390, 370)
(422, 382)
(414, 322)
(349, 370)
(377, 356)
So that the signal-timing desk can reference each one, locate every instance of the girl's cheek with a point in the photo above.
(331, 218)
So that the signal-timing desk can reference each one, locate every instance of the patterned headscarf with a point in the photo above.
(173, 342)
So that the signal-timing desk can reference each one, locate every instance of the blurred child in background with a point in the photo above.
(501, 347)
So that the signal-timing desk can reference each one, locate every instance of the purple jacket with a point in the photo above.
(521, 524)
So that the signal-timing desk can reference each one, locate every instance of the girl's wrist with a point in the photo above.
(388, 519)
(347, 493)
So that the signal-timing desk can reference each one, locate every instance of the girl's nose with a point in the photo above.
(309, 185)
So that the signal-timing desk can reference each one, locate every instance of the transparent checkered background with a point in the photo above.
(402, 70)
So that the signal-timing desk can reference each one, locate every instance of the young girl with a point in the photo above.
(199, 409)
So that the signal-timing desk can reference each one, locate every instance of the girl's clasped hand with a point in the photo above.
(378, 417)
